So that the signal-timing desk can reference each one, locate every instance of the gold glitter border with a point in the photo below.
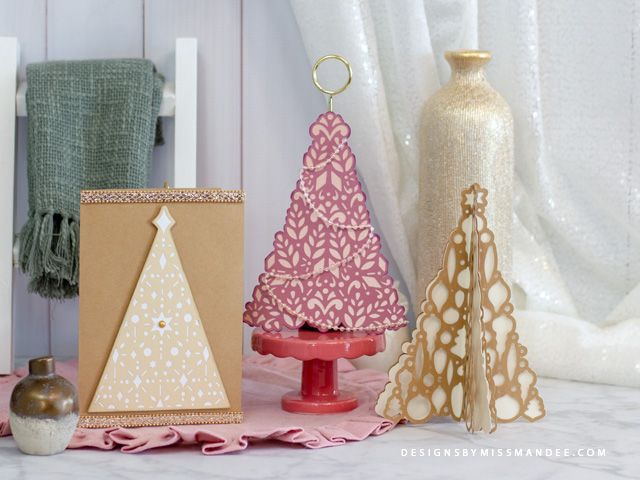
(163, 195)
(159, 419)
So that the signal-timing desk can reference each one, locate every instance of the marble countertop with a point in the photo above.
(579, 416)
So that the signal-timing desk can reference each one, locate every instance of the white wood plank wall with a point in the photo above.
(255, 102)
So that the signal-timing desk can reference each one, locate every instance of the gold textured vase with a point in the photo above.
(467, 137)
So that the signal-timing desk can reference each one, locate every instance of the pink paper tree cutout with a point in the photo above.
(326, 269)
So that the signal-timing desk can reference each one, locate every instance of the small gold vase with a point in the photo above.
(43, 410)
(467, 137)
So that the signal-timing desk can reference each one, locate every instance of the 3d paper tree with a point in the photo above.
(464, 359)
(161, 358)
(326, 269)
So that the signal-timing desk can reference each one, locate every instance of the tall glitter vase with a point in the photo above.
(467, 137)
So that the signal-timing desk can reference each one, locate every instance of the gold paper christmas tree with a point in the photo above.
(161, 358)
(464, 359)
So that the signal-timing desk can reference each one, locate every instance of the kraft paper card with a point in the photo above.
(160, 307)
(464, 359)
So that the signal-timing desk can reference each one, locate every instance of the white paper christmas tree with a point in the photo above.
(464, 359)
(161, 358)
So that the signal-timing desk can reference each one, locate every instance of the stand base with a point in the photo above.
(295, 402)
(319, 353)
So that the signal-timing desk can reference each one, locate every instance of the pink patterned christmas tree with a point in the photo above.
(326, 269)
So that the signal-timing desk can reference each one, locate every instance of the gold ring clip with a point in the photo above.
(331, 93)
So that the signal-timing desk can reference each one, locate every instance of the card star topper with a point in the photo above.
(464, 359)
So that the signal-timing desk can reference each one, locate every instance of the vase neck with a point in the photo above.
(42, 366)
(467, 66)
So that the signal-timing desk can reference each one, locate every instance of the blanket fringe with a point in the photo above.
(49, 254)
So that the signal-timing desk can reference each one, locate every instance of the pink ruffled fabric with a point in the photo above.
(265, 379)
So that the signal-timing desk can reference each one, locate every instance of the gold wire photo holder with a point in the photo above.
(331, 93)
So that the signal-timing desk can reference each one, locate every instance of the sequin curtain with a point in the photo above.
(569, 71)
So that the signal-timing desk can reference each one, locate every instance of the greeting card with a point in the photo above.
(160, 307)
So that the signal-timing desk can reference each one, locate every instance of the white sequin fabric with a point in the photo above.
(569, 72)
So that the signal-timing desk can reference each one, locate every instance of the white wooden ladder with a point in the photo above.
(179, 100)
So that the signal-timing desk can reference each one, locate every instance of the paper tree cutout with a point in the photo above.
(464, 359)
(161, 358)
(326, 268)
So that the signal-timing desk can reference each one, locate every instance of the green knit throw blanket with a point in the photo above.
(91, 124)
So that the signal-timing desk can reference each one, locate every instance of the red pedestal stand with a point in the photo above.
(319, 353)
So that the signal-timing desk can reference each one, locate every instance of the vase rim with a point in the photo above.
(42, 366)
(475, 54)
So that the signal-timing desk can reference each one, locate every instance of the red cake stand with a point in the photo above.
(319, 353)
